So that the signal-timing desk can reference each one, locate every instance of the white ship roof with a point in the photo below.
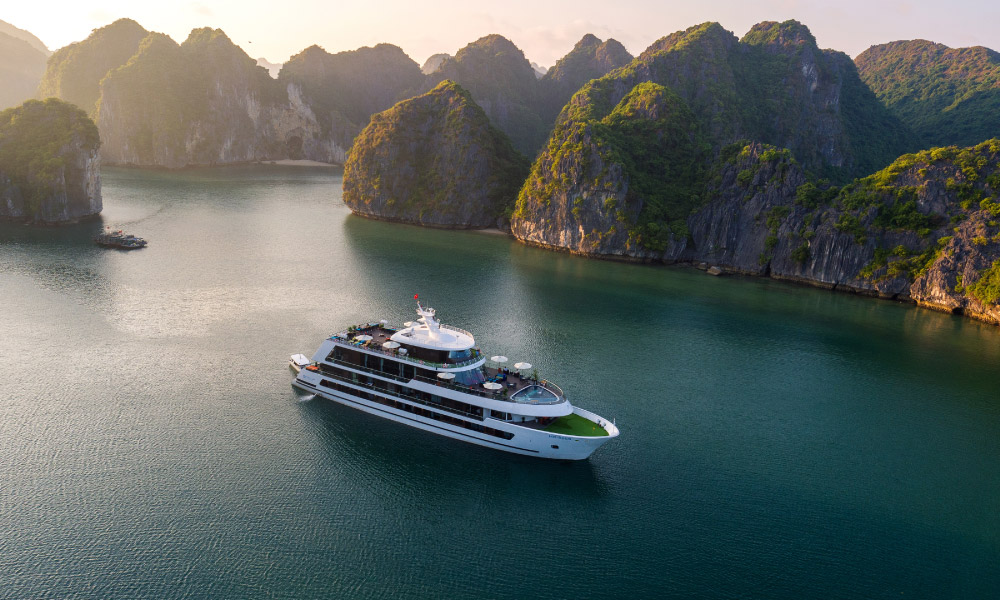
(442, 338)
(428, 332)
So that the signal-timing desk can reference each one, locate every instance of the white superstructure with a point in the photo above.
(433, 377)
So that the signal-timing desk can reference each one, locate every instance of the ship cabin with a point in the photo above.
(427, 362)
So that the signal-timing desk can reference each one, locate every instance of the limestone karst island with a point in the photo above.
(393, 300)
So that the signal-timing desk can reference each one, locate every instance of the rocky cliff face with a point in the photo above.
(592, 187)
(433, 160)
(204, 102)
(773, 87)
(926, 229)
(49, 163)
(344, 90)
(503, 83)
(948, 95)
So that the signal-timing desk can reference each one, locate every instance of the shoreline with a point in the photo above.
(290, 162)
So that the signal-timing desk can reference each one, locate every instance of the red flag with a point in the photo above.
(414, 296)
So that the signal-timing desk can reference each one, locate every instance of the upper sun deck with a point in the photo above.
(442, 337)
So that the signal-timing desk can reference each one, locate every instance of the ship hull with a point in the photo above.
(525, 441)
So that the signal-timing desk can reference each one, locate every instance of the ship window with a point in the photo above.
(351, 356)
(554, 447)
(470, 378)
(408, 371)
(457, 356)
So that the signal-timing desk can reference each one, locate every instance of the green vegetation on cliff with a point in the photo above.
(501, 80)
(37, 140)
(947, 95)
(74, 73)
(774, 87)
(174, 105)
(651, 135)
(435, 160)
(589, 59)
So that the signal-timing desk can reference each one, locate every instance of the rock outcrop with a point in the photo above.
(926, 229)
(947, 95)
(433, 160)
(74, 73)
(344, 90)
(204, 102)
(589, 59)
(49, 163)
(775, 87)
(599, 177)
(503, 83)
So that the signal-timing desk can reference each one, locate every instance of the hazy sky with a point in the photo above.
(544, 29)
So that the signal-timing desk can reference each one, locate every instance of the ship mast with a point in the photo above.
(427, 317)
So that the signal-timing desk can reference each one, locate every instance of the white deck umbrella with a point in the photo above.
(499, 359)
(390, 345)
(446, 376)
(522, 365)
(492, 386)
(363, 338)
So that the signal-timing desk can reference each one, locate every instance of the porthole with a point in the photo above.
(554, 447)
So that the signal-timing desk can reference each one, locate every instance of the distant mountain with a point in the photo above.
(503, 83)
(203, 102)
(74, 73)
(433, 63)
(589, 59)
(433, 160)
(628, 159)
(49, 163)
(26, 36)
(345, 89)
(948, 95)
(272, 68)
(21, 68)
(538, 69)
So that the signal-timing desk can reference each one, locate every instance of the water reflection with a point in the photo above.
(419, 464)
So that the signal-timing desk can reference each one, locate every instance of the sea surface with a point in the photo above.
(777, 441)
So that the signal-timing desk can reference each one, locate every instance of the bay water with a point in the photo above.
(777, 441)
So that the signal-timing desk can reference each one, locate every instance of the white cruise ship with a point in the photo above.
(433, 377)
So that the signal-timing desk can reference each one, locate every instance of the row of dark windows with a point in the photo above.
(416, 410)
(401, 370)
(379, 364)
(403, 391)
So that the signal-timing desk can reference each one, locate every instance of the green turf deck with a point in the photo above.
(573, 424)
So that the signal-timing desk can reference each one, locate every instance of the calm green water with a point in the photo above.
(777, 441)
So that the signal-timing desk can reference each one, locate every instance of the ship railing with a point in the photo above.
(453, 328)
(376, 349)
(555, 389)
(458, 387)
(400, 394)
